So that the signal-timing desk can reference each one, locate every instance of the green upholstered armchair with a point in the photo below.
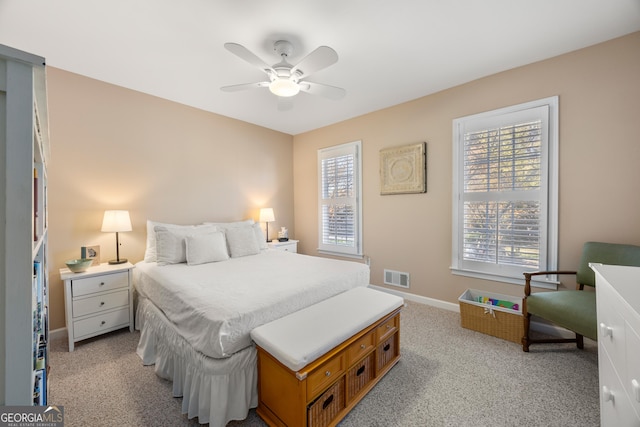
(574, 310)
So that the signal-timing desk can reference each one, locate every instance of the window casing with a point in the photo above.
(505, 192)
(339, 200)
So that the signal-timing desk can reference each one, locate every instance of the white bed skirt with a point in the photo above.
(214, 390)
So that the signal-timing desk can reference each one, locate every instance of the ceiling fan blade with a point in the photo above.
(247, 55)
(320, 58)
(285, 104)
(245, 86)
(327, 91)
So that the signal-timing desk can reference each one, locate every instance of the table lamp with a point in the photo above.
(266, 215)
(116, 221)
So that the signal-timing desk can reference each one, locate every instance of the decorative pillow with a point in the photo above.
(150, 254)
(242, 241)
(262, 241)
(204, 248)
(170, 242)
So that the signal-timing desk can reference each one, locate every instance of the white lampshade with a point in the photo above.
(116, 221)
(266, 215)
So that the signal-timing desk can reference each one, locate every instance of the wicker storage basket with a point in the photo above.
(325, 408)
(500, 322)
(387, 351)
(360, 375)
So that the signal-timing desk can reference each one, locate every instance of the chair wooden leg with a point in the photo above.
(580, 341)
(525, 339)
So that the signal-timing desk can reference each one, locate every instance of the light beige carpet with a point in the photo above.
(447, 376)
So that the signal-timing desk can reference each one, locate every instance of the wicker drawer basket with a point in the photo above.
(325, 408)
(500, 322)
(387, 351)
(360, 375)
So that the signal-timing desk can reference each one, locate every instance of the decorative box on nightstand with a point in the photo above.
(289, 245)
(97, 301)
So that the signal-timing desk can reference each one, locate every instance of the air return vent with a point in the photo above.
(396, 278)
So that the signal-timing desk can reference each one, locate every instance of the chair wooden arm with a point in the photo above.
(527, 278)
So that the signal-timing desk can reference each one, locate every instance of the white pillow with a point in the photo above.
(242, 241)
(234, 224)
(150, 253)
(204, 248)
(170, 242)
(262, 241)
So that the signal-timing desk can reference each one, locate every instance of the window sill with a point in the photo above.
(543, 284)
(340, 254)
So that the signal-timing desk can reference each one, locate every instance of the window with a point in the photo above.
(505, 192)
(339, 200)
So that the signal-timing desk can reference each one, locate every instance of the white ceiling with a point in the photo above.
(390, 51)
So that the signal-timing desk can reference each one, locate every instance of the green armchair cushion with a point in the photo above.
(573, 310)
(605, 253)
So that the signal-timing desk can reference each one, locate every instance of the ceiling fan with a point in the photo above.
(287, 80)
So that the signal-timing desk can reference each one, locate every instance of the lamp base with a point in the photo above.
(118, 261)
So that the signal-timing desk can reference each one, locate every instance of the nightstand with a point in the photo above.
(288, 246)
(97, 301)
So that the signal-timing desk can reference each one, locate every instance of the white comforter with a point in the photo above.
(215, 306)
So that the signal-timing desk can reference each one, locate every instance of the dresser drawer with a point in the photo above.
(388, 328)
(101, 323)
(632, 378)
(325, 374)
(611, 328)
(615, 407)
(360, 347)
(104, 282)
(99, 303)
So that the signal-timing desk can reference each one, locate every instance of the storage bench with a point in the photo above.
(316, 364)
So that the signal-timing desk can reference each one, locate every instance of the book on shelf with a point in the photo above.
(35, 204)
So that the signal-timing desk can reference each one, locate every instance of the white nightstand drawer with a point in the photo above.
(104, 282)
(101, 323)
(288, 246)
(102, 302)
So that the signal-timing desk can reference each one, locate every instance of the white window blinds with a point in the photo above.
(504, 218)
(339, 199)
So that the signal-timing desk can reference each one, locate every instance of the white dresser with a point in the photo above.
(97, 301)
(618, 308)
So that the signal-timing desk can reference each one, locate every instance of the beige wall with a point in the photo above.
(599, 95)
(114, 148)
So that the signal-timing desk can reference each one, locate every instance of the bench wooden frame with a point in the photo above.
(324, 391)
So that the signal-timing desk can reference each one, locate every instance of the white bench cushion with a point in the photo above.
(301, 337)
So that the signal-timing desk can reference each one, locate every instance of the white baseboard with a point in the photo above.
(58, 333)
(535, 326)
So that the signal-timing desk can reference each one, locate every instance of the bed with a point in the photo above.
(198, 298)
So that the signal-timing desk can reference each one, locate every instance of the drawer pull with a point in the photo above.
(327, 374)
(606, 330)
(327, 402)
(607, 395)
(360, 371)
(386, 347)
(101, 303)
(635, 386)
(388, 327)
(362, 346)
(101, 283)
(102, 323)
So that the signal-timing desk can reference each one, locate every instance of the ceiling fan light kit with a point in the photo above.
(284, 87)
(287, 80)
